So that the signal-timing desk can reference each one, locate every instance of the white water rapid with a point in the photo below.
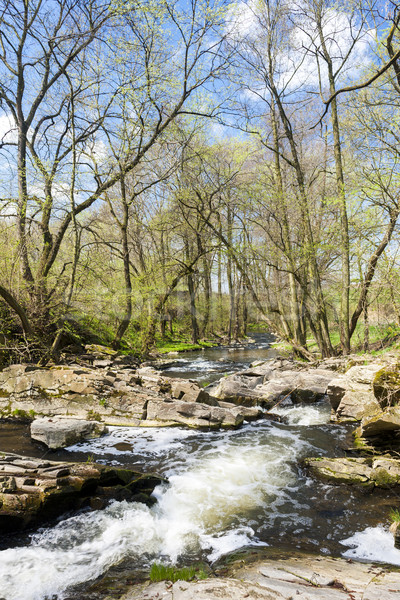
(226, 490)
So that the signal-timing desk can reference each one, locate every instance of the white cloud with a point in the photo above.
(242, 20)
(8, 130)
(297, 40)
(348, 44)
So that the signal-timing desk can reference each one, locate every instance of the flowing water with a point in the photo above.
(226, 490)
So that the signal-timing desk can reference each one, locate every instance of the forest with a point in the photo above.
(185, 170)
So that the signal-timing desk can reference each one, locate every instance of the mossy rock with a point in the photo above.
(384, 478)
(386, 385)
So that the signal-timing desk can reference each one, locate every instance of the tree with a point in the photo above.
(61, 71)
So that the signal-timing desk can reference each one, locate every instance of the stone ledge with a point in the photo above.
(34, 490)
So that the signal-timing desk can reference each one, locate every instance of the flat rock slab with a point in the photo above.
(60, 432)
(34, 490)
(367, 472)
(191, 414)
(304, 578)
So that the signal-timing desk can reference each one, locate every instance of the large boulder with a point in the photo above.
(357, 402)
(234, 389)
(248, 413)
(190, 391)
(357, 384)
(266, 384)
(302, 386)
(60, 432)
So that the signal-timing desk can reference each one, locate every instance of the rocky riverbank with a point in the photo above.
(126, 396)
(66, 403)
(281, 577)
(34, 490)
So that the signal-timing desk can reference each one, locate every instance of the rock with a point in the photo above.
(395, 530)
(249, 413)
(103, 394)
(356, 403)
(381, 472)
(387, 385)
(7, 485)
(357, 379)
(282, 578)
(191, 414)
(266, 383)
(385, 471)
(189, 391)
(153, 380)
(60, 432)
(108, 395)
(233, 389)
(303, 386)
(388, 420)
(33, 490)
(342, 470)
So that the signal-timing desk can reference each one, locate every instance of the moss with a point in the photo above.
(93, 416)
(177, 346)
(19, 413)
(383, 478)
(6, 412)
(360, 443)
(386, 385)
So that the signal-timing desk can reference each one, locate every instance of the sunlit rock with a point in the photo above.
(191, 414)
(59, 432)
(366, 472)
(357, 380)
(357, 402)
(190, 391)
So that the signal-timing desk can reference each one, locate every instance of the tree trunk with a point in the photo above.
(340, 186)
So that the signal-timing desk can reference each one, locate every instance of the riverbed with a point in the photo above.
(226, 491)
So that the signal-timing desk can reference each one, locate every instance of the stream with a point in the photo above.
(226, 490)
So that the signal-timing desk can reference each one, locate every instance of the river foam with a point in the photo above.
(226, 490)
(203, 510)
(374, 544)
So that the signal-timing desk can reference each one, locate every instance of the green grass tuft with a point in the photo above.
(170, 573)
(165, 346)
(394, 515)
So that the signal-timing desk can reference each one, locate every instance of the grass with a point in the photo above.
(377, 333)
(165, 346)
(394, 515)
(170, 573)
